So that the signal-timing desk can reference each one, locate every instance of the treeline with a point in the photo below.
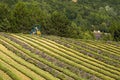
(62, 17)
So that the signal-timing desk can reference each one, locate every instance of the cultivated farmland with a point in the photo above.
(31, 57)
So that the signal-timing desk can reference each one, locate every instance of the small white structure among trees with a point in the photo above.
(97, 34)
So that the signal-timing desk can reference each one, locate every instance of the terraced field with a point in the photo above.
(30, 57)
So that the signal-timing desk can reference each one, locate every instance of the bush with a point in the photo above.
(115, 30)
(4, 17)
(107, 37)
(88, 35)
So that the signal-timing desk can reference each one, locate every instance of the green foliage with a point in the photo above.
(115, 30)
(58, 17)
(25, 15)
(75, 31)
(4, 17)
(9, 2)
(58, 24)
(3, 11)
(20, 17)
(1, 78)
(107, 37)
(88, 35)
(7, 71)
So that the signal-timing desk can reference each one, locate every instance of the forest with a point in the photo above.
(63, 18)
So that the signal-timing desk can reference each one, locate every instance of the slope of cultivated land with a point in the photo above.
(20, 68)
(44, 61)
(105, 46)
(54, 58)
(61, 49)
(71, 58)
(76, 44)
(90, 49)
(26, 66)
(17, 73)
(68, 59)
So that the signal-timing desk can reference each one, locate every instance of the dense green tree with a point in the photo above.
(74, 31)
(60, 17)
(25, 15)
(60, 24)
(9, 2)
(115, 30)
(20, 16)
(4, 17)
(88, 35)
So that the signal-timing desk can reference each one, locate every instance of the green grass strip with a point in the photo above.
(1, 77)
(7, 71)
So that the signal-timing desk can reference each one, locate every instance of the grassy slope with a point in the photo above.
(71, 58)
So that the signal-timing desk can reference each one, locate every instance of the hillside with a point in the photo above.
(79, 40)
(28, 57)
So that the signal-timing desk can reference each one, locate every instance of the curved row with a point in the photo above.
(48, 41)
(26, 69)
(24, 46)
(86, 51)
(105, 52)
(62, 50)
(46, 62)
(20, 68)
(101, 45)
(4, 76)
(56, 55)
(8, 71)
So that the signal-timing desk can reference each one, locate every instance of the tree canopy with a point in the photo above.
(60, 17)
